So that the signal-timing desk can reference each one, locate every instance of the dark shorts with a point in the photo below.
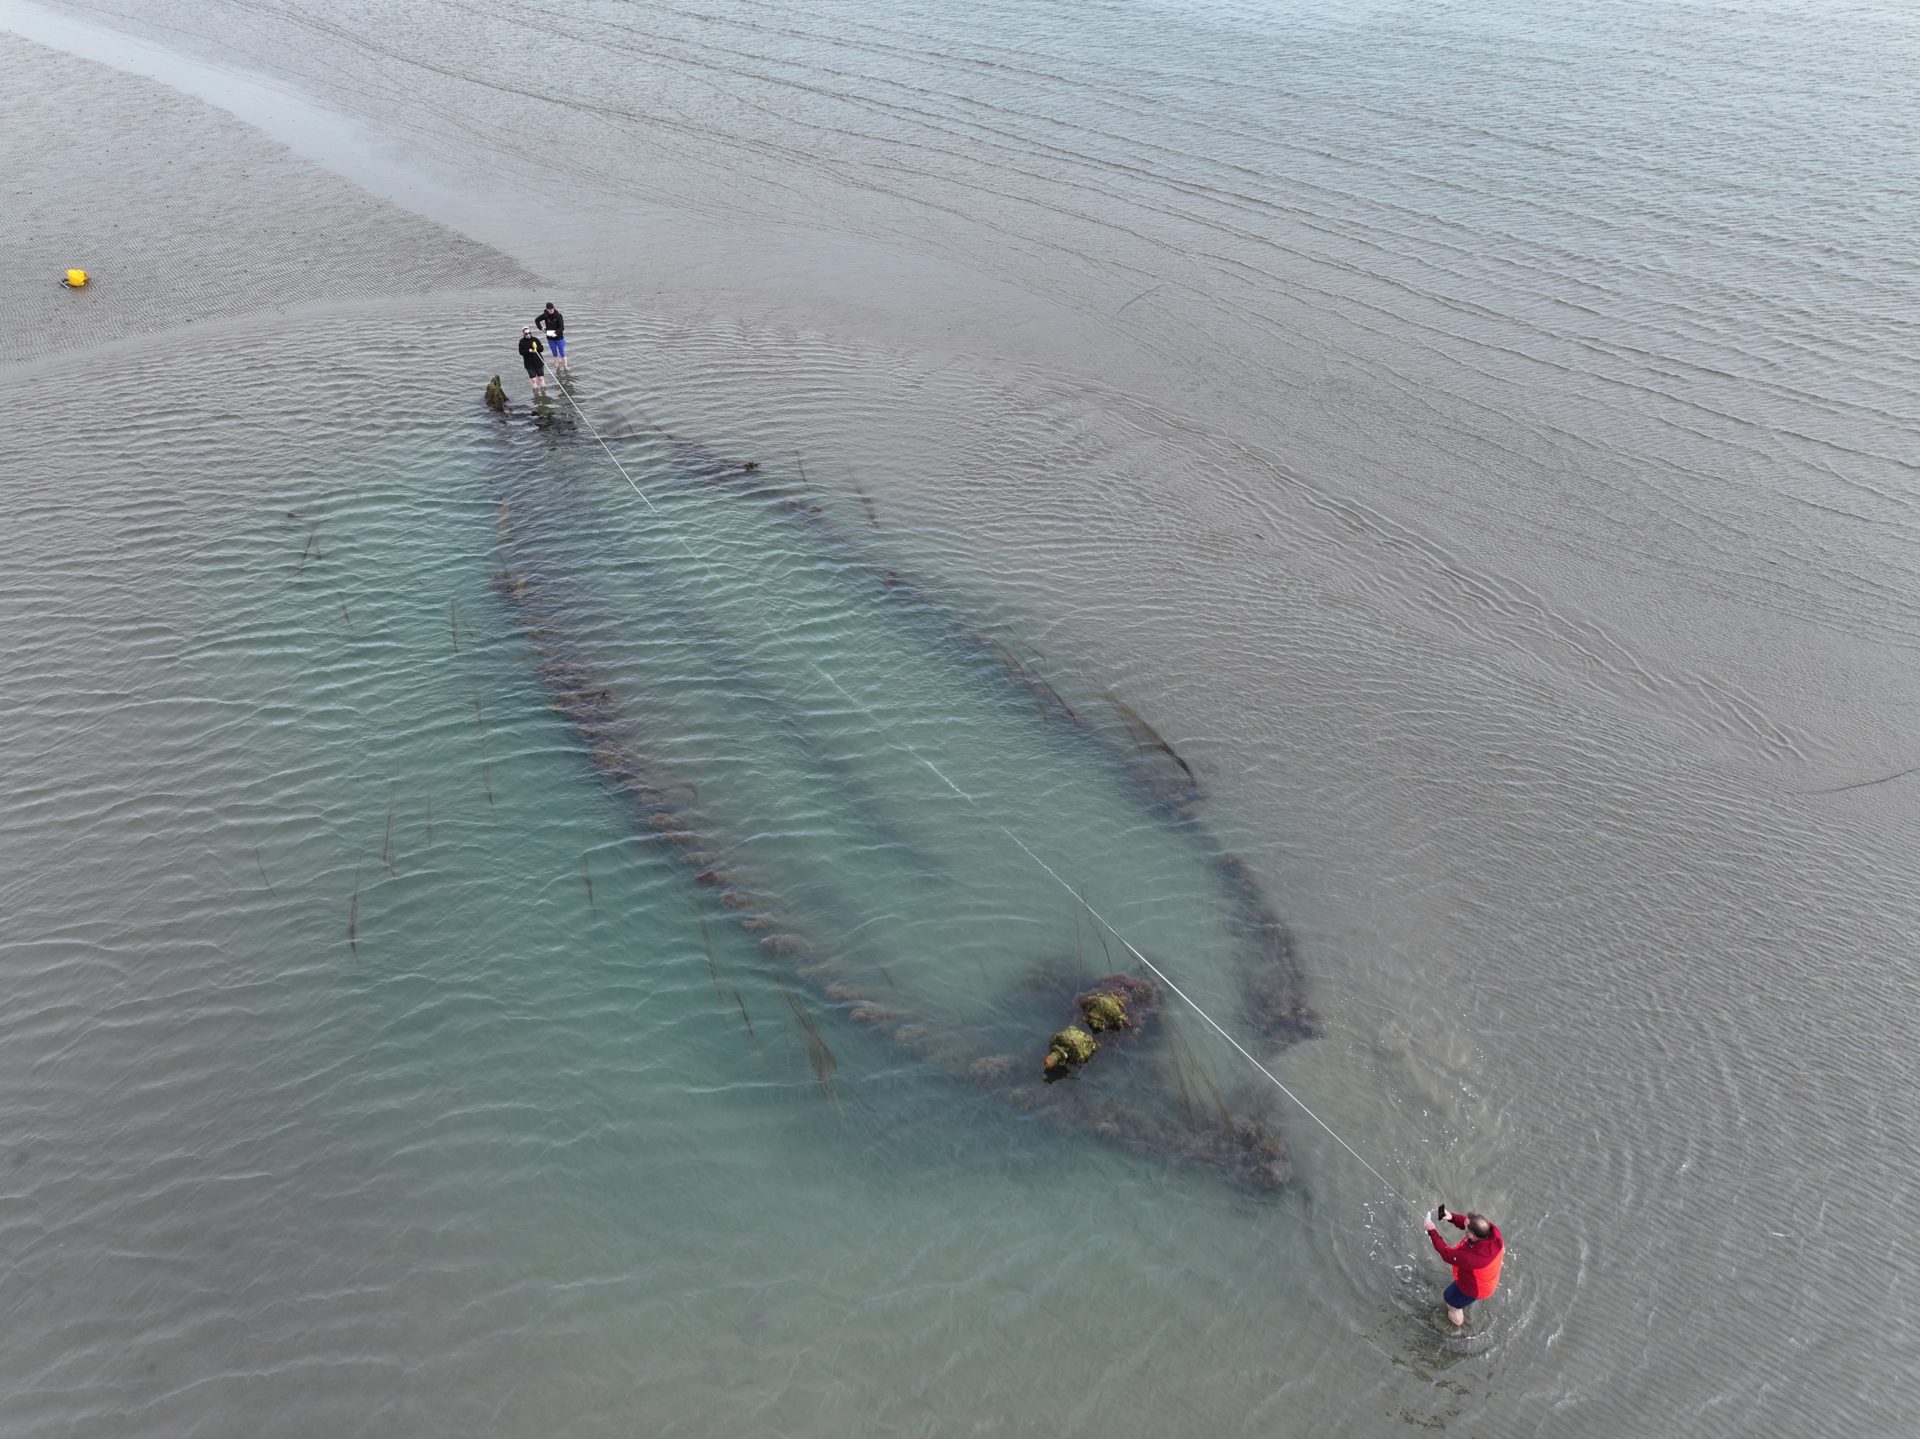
(558, 344)
(1456, 1299)
(535, 366)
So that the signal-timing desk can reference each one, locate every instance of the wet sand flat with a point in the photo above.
(185, 215)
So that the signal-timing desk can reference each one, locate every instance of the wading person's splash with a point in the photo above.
(1475, 1259)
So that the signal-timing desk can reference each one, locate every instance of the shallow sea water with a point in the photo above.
(1530, 605)
(319, 897)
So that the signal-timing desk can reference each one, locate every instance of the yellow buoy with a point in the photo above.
(75, 279)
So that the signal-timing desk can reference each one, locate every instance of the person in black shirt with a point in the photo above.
(551, 323)
(530, 356)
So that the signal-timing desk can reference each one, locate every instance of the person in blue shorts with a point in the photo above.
(551, 323)
(1475, 1259)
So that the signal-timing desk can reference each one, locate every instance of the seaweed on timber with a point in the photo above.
(819, 1057)
(866, 501)
(1145, 734)
(713, 969)
(1275, 988)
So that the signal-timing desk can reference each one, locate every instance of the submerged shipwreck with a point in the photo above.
(838, 760)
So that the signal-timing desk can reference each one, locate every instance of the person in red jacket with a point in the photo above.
(1475, 1259)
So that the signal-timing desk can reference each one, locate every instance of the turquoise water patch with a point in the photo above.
(355, 1016)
